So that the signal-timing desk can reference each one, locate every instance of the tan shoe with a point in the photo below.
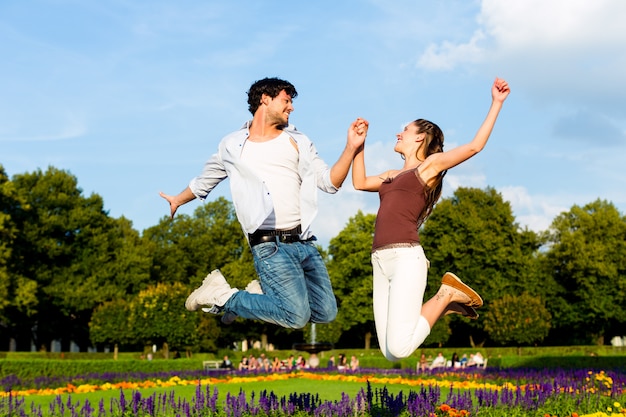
(453, 281)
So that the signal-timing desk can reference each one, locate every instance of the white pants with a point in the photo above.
(399, 285)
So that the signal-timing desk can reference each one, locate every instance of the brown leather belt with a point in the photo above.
(282, 236)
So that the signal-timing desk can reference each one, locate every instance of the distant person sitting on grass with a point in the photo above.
(343, 362)
(301, 363)
(276, 364)
(354, 363)
(264, 362)
(226, 363)
(455, 361)
(463, 360)
(476, 359)
(439, 361)
(422, 365)
(331, 362)
(243, 365)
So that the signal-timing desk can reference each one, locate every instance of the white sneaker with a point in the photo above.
(214, 292)
(254, 287)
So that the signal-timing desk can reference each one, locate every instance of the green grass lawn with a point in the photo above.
(327, 390)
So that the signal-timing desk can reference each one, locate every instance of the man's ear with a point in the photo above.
(265, 99)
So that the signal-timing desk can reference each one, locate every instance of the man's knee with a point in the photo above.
(295, 315)
(297, 320)
(329, 314)
(324, 311)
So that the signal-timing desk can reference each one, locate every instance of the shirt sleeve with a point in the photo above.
(212, 174)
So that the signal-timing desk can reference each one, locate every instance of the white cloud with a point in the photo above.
(380, 157)
(576, 44)
(534, 211)
(453, 181)
(563, 24)
(448, 55)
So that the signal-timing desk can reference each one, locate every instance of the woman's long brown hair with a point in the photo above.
(433, 143)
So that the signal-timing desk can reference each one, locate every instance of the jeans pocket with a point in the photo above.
(265, 250)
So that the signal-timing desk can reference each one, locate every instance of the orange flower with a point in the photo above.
(444, 407)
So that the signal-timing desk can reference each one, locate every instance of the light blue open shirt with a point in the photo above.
(251, 198)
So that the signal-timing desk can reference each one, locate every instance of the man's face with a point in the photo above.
(279, 108)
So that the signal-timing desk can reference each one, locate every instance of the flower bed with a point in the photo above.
(487, 393)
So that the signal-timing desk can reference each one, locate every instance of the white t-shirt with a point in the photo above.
(276, 163)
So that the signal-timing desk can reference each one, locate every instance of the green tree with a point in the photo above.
(587, 257)
(157, 316)
(520, 319)
(8, 231)
(440, 333)
(69, 256)
(18, 299)
(109, 323)
(474, 235)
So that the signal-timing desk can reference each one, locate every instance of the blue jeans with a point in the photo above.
(296, 287)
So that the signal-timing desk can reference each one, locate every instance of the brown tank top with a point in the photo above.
(402, 199)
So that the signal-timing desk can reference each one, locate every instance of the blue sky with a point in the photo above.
(132, 97)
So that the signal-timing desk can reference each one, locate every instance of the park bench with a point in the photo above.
(207, 365)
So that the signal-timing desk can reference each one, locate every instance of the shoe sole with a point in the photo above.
(228, 318)
(469, 311)
(253, 287)
(455, 282)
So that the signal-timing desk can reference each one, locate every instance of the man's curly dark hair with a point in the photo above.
(270, 86)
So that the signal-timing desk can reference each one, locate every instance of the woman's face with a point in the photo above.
(407, 140)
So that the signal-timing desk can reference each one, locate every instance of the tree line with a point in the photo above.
(70, 272)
